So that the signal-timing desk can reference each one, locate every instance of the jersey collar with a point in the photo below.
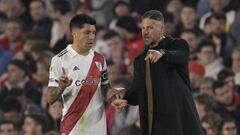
(74, 53)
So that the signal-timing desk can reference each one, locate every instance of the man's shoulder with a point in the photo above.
(62, 53)
(99, 56)
(61, 56)
(178, 43)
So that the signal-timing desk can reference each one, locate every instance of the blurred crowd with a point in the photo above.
(33, 31)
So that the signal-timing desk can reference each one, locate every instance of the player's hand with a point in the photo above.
(115, 93)
(119, 104)
(153, 55)
(64, 81)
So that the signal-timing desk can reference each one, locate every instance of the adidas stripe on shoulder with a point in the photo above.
(62, 53)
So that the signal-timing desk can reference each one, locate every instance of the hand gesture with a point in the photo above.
(64, 81)
(119, 104)
(115, 93)
(153, 55)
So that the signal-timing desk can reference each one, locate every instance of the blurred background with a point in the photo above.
(33, 31)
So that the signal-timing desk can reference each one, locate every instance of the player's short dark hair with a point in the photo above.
(225, 73)
(153, 14)
(79, 20)
(218, 84)
(110, 34)
(62, 6)
(129, 24)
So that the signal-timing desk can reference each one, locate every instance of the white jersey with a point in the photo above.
(93, 120)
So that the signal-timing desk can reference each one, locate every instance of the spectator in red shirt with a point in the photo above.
(130, 32)
(12, 39)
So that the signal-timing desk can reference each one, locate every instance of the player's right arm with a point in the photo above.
(58, 80)
(53, 94)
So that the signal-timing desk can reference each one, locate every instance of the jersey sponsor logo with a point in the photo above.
(76, 68)
(89, 81)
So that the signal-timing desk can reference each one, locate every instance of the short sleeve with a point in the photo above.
(55, 71)
(104, 78)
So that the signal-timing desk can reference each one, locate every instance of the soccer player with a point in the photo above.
(79, 76)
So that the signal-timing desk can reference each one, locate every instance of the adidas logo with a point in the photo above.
(75, 68)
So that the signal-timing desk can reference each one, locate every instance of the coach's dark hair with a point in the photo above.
(153, 14)
(79, 20)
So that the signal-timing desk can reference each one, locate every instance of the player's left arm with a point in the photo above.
(108, 92)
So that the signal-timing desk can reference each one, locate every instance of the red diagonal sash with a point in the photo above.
(84, 96)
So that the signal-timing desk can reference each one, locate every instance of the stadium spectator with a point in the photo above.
(130, 32)
(8, 128)
(235, 64)
(17, 77)
(42, 24)
(36, 124)
(228, 105)
(11, 109)
(206, 85)
(210, 123)
(204, 103)
(12, 40)
(228, 127)
(206, 56)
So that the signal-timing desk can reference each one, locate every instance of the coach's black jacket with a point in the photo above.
(174, 110)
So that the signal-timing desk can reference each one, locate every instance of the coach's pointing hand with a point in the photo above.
(153, 55)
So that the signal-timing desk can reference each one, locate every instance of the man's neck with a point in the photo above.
(157, 43)
(80, 50)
